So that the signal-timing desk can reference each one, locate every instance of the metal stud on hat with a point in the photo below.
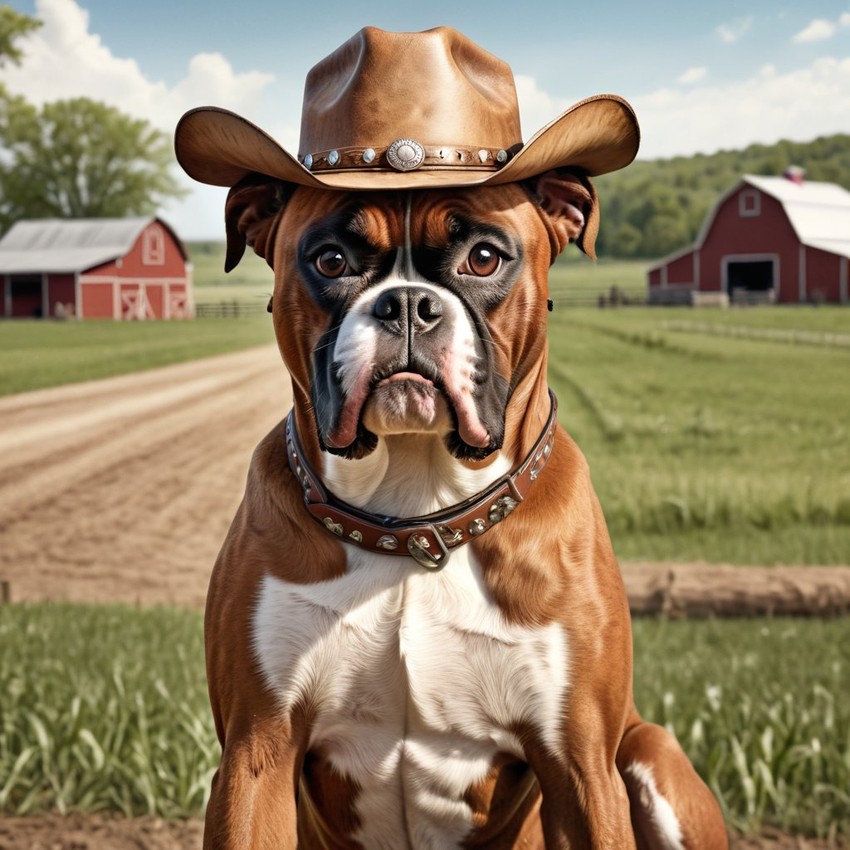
(405, 154)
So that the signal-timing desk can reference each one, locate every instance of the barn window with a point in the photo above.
(153, 248)
(749, 203)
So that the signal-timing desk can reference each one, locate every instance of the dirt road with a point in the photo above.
(123, 489)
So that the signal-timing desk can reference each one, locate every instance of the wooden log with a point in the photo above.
(705, 590)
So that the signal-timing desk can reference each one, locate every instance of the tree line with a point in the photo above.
(655, 207)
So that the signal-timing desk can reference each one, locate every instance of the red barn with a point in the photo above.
(777, 239)
(104, 268)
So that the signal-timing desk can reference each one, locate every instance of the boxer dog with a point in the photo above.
(416, 631)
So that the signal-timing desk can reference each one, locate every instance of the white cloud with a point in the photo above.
(734, 30)
(818, 30)
(692, 75)
(537, 107)
(769, 106)
(821, 29)
(63, 59)
(798, 105)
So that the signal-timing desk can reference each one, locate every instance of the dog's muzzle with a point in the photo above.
(408, 358)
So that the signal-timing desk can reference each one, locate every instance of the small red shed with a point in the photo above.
(104, 268)
(775, 239)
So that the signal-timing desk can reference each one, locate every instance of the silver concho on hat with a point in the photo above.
(405, 154)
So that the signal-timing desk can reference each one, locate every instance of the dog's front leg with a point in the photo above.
(585, 805)
(252, 805)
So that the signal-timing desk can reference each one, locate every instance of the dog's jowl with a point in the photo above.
(416, 630)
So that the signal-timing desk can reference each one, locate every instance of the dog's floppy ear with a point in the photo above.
(568, 203)
(250, 212)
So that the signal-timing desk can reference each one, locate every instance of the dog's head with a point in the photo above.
(420, 311)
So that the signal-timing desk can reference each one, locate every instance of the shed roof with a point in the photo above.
(69, 245)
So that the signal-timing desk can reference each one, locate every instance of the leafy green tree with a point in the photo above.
(663, 234)
(13, 25)
(628, 241)
(80, 158)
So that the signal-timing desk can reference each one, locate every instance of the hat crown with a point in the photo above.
(437, 87)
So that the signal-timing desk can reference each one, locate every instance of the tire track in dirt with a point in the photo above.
(122, 490)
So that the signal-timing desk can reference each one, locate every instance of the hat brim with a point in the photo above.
(597, 135)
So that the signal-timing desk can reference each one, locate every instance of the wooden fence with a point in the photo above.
(229, 309)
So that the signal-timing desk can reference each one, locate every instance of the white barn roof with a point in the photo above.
(67, 245)
(818, 212)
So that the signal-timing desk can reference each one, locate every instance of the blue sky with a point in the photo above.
(701, 76)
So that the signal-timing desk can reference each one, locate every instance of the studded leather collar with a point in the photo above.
(430, 538)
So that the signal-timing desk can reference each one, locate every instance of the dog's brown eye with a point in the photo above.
(483, 260)
(331, 263)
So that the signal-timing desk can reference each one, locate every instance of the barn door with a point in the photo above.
(751, 280)
(135, 305)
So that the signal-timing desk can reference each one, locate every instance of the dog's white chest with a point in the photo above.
(414, 679)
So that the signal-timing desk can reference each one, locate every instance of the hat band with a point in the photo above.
(408, 155)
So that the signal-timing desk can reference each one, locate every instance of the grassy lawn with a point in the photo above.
(575, 280)
(36, 354)
(710, 447)
(105, 708)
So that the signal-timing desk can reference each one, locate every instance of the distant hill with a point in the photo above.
(654, 207)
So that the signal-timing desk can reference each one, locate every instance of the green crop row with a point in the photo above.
(761, 708)
(105, 709)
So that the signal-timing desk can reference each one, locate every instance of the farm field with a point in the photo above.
(703, 446)
(105, 708)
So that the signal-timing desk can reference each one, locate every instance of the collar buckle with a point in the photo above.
(420, 548)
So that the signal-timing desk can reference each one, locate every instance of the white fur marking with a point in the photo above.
(415, 679)
(656, 807)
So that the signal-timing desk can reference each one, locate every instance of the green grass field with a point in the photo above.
(105, 708)
(702, 445)
(711, 447)
(36, 354)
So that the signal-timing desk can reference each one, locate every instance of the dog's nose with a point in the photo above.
(408, 308)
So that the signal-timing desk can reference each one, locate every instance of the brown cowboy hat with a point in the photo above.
(409, 110)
